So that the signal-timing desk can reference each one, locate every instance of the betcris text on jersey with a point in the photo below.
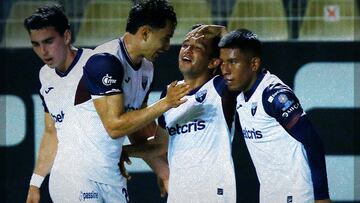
(187, 127)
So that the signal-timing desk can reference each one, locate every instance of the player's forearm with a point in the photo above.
(160, 166)
(146, 150)
(47, 153)
(132, 121)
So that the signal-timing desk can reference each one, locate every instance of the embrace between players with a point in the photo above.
(94, 98)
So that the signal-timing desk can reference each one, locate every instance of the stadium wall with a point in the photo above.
(324, 75)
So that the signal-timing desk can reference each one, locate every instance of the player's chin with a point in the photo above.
(232, 87)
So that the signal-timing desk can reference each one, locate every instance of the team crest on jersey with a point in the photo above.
(200, 96)
(144, 82)
(253, 108)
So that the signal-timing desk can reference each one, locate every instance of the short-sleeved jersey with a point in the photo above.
(58, 94)
(199, 151)
(107, 74)
(280, 160)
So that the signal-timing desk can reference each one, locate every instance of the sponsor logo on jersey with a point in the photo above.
(253, 108)
(287, 105)
(58, 117)
(289, 199)
(271, 97)
(48, 90)
(107, 80)
(189, 127)
(127, 80)
(220, 191)
(88, 195)
(200, 96)
(282, 98)
(144, 81)
(239, 106)
(252, 134)
(290, 110)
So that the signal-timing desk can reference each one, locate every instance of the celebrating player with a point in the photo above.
(286, 150)
(199, 142)
(113, 97)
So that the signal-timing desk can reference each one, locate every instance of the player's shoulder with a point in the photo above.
(111, 46)
(86, 53)
(274, 90)
(102, 59)
(100, 63)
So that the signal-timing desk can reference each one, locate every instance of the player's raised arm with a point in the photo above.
(47, 153)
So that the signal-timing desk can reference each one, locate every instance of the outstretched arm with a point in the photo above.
(119, 123)
(45, 160)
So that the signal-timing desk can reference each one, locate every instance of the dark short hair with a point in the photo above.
(153, 13)
(243, 39)
(47, 16)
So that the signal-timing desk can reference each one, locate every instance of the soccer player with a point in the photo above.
(50, 36)
(286, 150)
(199, 142)
(111, 102)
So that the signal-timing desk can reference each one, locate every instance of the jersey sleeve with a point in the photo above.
(103, 75)
(281, 103)
(43, 103)
(161, 119)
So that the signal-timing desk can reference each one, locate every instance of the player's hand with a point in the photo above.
(163, 186)
(33, 195)
(124, 158)
(208, 31)
(175, 94)
(323, 201)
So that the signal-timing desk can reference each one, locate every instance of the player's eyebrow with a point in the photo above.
(43, 41)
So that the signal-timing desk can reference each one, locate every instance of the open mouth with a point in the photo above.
(186, 59)
(47, 60)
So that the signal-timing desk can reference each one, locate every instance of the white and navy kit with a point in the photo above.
(199, 153)
(286, 151)
(58, 91)
(107, 74)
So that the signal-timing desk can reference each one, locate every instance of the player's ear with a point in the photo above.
(67, 36)
(255, 63)
(144, 32)
(214, 63)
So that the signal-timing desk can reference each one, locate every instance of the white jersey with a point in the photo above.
(199, 153)
(58, 94)
(107, 74)
(280, 160)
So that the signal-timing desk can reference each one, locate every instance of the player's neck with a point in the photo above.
(131, 47)
(70, 56)
(197, 81)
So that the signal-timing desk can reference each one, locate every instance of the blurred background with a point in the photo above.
(312, 45)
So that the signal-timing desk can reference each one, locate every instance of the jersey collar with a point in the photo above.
(251, 91)
(127, 56)
(73, 63)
